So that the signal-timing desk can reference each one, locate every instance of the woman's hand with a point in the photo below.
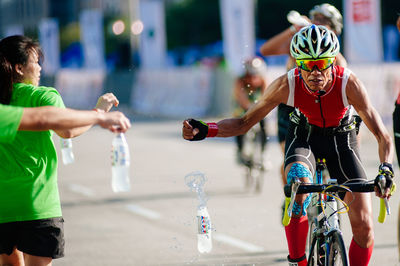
(106, 102)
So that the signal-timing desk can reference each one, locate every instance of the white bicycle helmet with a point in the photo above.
(313, 42)
(255, 66)
(330, 12)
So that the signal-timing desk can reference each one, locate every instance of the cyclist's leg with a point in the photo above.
(345, 165)
(360, 215)
(298, 161)
(239, 148)
(264, 135)
(297, 230)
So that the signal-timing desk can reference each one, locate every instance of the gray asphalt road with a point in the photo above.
(155, 223)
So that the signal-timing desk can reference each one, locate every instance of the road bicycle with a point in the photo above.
(326, 245)
(254, 143)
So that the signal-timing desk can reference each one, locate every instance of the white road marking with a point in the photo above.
(81, 190)
(237, 243)
(143, 212)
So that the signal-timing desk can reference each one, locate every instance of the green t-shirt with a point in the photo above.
(10, 117)
(28, 169)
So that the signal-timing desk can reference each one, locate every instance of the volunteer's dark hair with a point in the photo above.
(14, 50)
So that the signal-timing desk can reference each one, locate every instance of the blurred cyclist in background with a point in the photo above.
(324, 14)
(396, 115)
(248, 88)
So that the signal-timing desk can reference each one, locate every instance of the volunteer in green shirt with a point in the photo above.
(10, 118)
(31, 223)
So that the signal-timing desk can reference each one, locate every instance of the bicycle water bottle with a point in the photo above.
(66, 151)
(204, 243)
(295, 18)
(120, 162)
(331, 207)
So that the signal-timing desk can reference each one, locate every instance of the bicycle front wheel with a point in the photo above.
(337, 251)
(316, 255)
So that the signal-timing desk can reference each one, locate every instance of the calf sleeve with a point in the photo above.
(296, 236)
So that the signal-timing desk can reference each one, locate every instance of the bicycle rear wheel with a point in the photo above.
(337, 251)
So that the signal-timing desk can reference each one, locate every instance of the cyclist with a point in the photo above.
(248, 88)
(323, 127)
(324, 14)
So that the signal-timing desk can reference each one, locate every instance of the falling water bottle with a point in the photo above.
(120, 162)
(195, 182)
(66, 151)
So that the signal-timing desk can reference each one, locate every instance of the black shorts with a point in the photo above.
(283, 120)
(340, 151)
(44, 238)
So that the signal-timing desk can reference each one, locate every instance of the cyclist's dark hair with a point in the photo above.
(14, 50)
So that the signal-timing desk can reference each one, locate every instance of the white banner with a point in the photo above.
(238, 32)
(50, 43)
(80, 88)
(92, 38)
(173, 92)
(152, 47)
(362, 27)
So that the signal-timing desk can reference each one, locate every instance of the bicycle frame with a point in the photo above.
(324, 227)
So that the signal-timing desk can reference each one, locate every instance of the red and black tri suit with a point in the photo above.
(323, 126)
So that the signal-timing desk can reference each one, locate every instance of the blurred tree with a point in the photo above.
(192, 22)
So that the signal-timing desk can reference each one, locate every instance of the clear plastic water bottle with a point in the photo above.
(66, 151)
(195, 181)
(295, 18)
(120, 163)
(204, 243)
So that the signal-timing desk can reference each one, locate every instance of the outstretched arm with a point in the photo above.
(275, 94)
(48, 117)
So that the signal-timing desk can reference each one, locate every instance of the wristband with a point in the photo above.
(212, 130)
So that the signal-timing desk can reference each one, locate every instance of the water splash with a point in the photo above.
(195, 181)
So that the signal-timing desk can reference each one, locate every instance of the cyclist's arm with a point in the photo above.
(278, 44)
(358, 97)
(275, 94)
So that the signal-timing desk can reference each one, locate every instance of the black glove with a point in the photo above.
(385, 177)
(201, 126)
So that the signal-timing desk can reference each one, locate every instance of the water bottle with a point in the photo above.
(204, 243)
(66, 151)
(120, 162)
(195, 181)
(331, 207)
(295, 18)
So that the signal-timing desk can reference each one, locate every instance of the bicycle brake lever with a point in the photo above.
(295, 187)
(382, 185)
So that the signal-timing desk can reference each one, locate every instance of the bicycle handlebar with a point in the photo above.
(306, 188)
(310, 188)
